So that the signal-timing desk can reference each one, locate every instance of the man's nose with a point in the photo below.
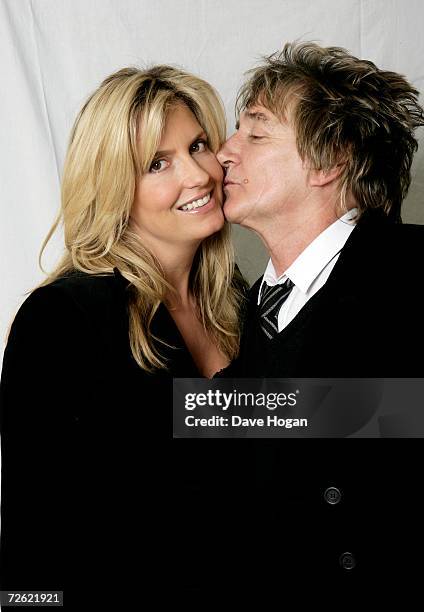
(227, 154)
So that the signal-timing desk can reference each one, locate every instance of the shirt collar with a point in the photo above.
(312, 260)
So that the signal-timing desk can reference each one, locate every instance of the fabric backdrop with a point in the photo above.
(53, 53)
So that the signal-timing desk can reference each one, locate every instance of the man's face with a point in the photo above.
(265, 176)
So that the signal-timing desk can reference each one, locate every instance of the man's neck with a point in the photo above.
(286, 238)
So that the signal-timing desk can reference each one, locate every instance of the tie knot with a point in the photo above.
(269, 290)
(272, 298)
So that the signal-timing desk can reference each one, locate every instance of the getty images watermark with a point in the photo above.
(300, 408)
(217, 399)
(238, 408)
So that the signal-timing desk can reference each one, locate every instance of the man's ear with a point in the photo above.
(320, 178)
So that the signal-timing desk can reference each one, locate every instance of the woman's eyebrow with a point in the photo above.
(164, 153)
(170, 151)
(202, 133)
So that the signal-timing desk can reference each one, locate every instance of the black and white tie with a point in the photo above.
(272, 298)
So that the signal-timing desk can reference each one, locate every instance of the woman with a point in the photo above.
(145, 292)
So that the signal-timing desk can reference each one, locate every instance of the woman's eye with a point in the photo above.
(199, 146)
(254, 137)
(156, 166)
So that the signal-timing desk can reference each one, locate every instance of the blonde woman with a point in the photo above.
(146, 291)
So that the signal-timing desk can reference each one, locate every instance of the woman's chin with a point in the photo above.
(214, 225)
(230, 210)
(217, 226)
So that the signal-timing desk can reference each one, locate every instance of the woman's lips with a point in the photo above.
(202, 210)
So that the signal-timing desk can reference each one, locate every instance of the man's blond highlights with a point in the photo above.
(344, 111)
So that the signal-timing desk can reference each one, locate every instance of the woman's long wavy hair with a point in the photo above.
(101, 168)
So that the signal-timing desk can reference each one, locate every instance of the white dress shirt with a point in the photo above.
(311, 269)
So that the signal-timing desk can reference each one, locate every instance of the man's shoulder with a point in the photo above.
(380, 225)
(379, 241)
(405, 241)
(407, 231)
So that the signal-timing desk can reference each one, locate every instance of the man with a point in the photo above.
(318, 168)
(324, 145)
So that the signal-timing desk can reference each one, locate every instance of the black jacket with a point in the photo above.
(367, 321)
(85, 482)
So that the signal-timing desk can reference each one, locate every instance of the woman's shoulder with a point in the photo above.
(73, 296)
(79, 284)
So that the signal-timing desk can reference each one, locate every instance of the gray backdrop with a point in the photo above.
(53, 53)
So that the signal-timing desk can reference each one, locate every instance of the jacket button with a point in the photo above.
(347, 561)
(332, 495)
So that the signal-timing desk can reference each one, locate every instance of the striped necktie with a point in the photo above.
(272, 298)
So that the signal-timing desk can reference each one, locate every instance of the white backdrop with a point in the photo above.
(53, 53)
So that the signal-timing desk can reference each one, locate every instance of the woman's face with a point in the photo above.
(179, 199)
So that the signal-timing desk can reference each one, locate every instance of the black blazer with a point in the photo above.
(367, 321)
(85, 486)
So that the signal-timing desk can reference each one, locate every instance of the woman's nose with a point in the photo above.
(194, 174)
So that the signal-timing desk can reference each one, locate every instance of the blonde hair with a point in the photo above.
(101, 169)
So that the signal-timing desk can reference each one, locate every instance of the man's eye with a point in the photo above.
(254, 137)
(199, 146)
(156, 166)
